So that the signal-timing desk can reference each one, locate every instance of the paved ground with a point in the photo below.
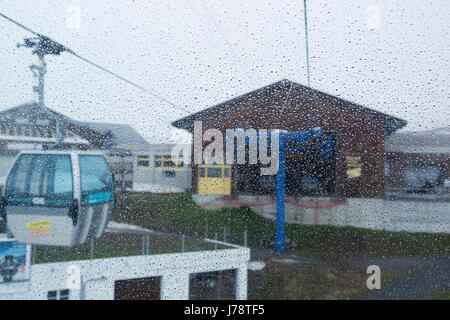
(425, 276)
(429, 276)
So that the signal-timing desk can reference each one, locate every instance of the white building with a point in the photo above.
(156, 171)
(136, 164)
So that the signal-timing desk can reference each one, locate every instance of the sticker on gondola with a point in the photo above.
(40, 228)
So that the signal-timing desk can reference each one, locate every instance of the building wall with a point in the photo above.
(101, 274)
(359, 133)
(377, 214)
(160, 180)
(399, 161)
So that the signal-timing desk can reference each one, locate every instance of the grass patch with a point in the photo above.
(440, 296)
(178, 213)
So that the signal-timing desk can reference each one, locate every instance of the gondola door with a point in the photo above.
(97, 196)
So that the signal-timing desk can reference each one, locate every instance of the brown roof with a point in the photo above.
(222, 109)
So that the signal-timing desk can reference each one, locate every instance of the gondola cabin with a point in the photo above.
(60, 198)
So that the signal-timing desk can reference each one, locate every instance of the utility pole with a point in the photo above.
(42, 46)
(39, 72)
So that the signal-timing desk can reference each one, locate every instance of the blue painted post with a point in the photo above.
(281, 189)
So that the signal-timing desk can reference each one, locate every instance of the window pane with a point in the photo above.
(158, 161)
(33, 175)
(17, 179)
(63, 176)
(202, 172)
(37, 176)
(421, 176)
(64, 294)
(52, 295)
(95, 174)
(143, 161)
(214, 172)
(168, 162)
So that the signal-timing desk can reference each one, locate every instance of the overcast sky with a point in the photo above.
(392, 56)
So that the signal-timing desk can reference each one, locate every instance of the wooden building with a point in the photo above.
(357, 165)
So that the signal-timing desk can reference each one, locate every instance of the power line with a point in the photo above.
(306, 43)
(151, 92)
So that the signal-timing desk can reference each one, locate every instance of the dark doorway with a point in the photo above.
(138, 289)
(310, 174)
(217, 285)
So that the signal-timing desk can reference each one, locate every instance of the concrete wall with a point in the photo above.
(173, 268)
(377, 214)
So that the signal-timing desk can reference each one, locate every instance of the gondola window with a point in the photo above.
(95, 177)
(48, 176)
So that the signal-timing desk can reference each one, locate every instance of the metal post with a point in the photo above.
(148, 244)
(219, 285)
(84, 283)
(182, 242)
(245, 238)
(225, 234)
(241, 283)
(281, 189)
(45, 253)
(33, 254)
(92, 249)
(82, 288)
(123, 173)
(143, 245)
(215, 243)
(206, 231)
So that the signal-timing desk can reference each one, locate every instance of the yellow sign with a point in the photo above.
(40, 228)
(354, 167)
